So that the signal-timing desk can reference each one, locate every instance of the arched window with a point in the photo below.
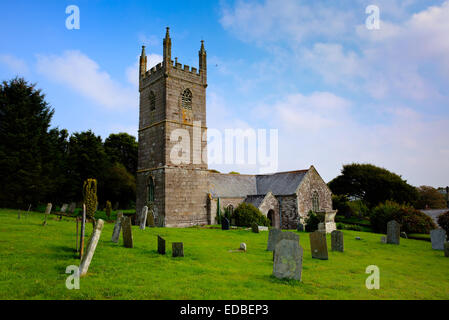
(151, 190)
(152, 101)
(187, 99)
(315, 202)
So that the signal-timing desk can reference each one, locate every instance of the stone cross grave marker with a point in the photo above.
(393, 232)
(91, 246)
(143, 218)
(160, 245)
(272, 238)
(117, 227)
(318, 245)
(337, 240)
(438, 237)
(127, 232)
(224, 223)
(288, 260)
(177, 249)
(255, 228)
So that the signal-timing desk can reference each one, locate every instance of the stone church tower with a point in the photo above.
(173, 97)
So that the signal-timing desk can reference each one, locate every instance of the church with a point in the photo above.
(172, 97)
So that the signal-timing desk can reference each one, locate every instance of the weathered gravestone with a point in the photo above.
(404, 235)
(160, 245)
(117, 228)
(288, 260)
(91, 246)
(300, 227)
(438, 237)
(263, 228)
(224, 223)
(64, 208)
(337, 240)
(393, 232)
(177, 249)
(383, 239)
(446, 249)
(151, 218)
(72, 207)
(243, 246)
(272, 238)
(143, 218)
(284, 236)
(47, 212)
(318, 245)
(255, 228)
(321, 227)
(127, 232)
(18, 215)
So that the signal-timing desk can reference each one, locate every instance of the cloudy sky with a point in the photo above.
(336, 91)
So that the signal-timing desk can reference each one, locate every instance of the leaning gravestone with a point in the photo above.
(177, 249)
(127, 232)
(117, 227)
(393, 232)
(160, 245)
(90, 250)
(446, 249)
(224, 224)
(438, 237)
(337, 240)
(272, 239)
(64, 208)
(72, 207)
(318, 245)
(288, 260)
(47, 212)
(255, 228)
(143, 218)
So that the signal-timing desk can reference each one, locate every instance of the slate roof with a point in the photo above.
(241, 186)
(256, 200)
(435, 213)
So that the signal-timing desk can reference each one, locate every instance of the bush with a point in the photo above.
(359, 208)
(411, 220)
(312, 221)
(341, 204)
(443, 221)
(246, 214)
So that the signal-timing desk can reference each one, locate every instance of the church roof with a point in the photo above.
(241, 186)
(255, 200)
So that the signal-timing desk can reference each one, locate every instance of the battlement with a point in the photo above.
(179, 67)
(185, 68)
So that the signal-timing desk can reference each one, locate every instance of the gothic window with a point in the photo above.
(152, 101)
(187, 99)
(315, 202)
(151, 190)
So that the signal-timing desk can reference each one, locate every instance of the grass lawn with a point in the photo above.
(34, 258)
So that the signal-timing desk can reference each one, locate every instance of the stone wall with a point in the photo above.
(289, 211)
(270, 202)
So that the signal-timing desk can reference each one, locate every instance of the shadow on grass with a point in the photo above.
(63, 252)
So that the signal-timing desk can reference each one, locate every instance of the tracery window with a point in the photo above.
(187, 99)
(315, 202)
(152, 101)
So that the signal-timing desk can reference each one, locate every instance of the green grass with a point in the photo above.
(34, 258)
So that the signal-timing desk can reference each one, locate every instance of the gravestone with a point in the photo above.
(255, 228)
(117, 227)
(177, 249)
(127, 232)
(224, 224)
(143, 218)
(72, 207)
(285, 236)
(393, 232)
(358, 238)
(151, 218)
(446, 249)
(337, 241)
(321, 227)
(318, 245)
(160, 245)
(64, 208)
(272, 238)
(243, 246)
(18, 214)
(383, 239)
(300, 227)
(288, 260)
(438, 237)
(91, 246)
(404, 235)
(47, 212)
(262, 228)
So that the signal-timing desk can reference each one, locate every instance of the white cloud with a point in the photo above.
(132, 72)
(15, 64)
(83, 75)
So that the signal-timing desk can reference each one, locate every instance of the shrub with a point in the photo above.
(246, 214)
(341, 204)
(411, 220)
(443, 221)
(312, 221)
(359, 208)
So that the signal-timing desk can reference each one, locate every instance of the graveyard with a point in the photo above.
(35, 257)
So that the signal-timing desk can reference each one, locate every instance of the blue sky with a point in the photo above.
(336, 91)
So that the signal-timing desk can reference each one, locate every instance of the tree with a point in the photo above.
(373, 185)
(429, 197)
(122, 148)
(24, 121)
(120, 185)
